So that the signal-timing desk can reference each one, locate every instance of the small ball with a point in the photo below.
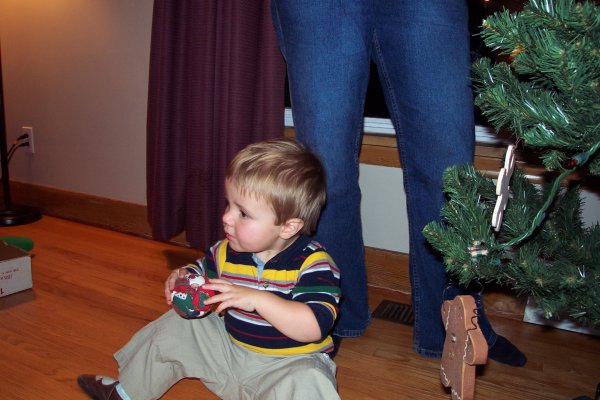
(189, 295)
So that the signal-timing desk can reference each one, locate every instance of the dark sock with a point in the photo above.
(588, 397)
(505, 352)
(337, 342)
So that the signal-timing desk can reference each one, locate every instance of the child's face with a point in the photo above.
(249, 224)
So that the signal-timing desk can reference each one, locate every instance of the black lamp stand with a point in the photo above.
(10, 213)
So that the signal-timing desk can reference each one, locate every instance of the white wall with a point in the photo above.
(385, 221)
(77, 72)
(591, 206)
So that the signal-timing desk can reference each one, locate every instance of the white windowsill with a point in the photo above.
(383, 126)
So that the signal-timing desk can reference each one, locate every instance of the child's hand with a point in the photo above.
(292, 318)
(170, 282)
(232, 296)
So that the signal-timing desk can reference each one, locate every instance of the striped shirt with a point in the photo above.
(303, 272)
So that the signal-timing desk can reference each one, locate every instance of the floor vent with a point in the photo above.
(395, 312)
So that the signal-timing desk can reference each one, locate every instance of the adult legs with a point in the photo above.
(422, 52)
(327, 48)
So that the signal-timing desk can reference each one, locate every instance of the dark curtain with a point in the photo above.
(216, 84)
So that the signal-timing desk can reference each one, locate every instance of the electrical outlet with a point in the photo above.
(28, 130)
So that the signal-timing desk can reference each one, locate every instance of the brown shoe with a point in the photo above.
(99, 387)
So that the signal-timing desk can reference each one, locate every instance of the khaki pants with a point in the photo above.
(172, 348)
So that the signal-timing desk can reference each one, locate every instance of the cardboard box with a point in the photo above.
(15, 269)
(534, 315)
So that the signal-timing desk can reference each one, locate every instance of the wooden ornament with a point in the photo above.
(464, 348)
(502, 187)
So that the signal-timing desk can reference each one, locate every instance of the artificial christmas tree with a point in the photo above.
(545, 90)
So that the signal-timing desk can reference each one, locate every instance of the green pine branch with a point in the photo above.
(548, 91)
(559, 266)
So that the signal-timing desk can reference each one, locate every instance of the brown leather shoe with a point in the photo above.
(99, 387)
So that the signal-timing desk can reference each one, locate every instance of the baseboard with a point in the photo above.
(107, 213)
(385, 269)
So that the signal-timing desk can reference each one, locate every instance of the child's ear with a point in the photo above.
(291, 227)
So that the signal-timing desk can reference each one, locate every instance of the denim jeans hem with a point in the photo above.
(350, 333)
(427, 353)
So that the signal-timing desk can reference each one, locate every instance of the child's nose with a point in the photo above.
(226, 217)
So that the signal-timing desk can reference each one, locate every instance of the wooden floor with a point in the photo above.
(93, 288)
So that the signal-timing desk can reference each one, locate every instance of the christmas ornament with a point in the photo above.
(189, 295)
(464, 347)
(502, 187)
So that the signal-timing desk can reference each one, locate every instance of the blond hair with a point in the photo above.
(284, 173)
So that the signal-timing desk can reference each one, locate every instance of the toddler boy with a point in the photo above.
(277, 291)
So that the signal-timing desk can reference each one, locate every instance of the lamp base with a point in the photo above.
(18, 215)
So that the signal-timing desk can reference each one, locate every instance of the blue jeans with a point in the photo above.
(421, 49)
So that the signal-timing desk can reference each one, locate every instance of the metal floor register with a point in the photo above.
(395, 312)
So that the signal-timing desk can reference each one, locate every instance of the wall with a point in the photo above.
(77, 72)
(385, 221)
